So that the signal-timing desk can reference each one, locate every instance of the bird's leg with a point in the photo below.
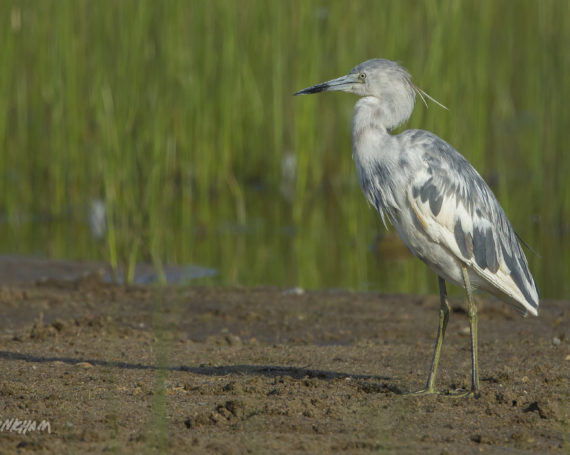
(443, 318)
(472, 314)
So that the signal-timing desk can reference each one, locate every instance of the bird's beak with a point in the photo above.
(341, 83)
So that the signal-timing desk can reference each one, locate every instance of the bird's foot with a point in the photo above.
(473, 393)
(422, 392)
(446, 393)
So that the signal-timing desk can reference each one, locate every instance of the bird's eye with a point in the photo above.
(362, 76)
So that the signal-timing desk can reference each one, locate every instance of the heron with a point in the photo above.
(440, 206)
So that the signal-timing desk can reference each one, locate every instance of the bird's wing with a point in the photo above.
(457, 209)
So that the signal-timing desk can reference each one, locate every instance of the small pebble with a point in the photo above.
(294, 291)
(465, 331)
(233, 340)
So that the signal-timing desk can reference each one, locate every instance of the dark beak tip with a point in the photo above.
(303, 92)
(310, 90)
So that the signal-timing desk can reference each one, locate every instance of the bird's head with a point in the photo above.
(375, 77)
(384, 79)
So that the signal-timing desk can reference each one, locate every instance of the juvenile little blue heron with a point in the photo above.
(441, 207)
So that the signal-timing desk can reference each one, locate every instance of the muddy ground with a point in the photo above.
(183, 369)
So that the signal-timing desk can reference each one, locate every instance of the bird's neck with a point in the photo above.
(375, 154)
(371, 138)
(384, 113)
(369, 131)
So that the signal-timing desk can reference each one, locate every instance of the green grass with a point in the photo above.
(178, 115)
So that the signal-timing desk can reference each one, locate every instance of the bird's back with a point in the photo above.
(447, 215)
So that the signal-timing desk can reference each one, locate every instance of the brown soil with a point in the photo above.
(133, 369)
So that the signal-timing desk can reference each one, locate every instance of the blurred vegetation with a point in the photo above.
(178, 115)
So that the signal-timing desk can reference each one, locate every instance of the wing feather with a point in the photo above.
(458, 210)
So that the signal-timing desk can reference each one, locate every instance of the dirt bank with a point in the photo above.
(202, 370)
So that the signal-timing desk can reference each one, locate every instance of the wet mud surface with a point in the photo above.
(183, 369)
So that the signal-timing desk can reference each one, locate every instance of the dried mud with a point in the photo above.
(183, 369)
